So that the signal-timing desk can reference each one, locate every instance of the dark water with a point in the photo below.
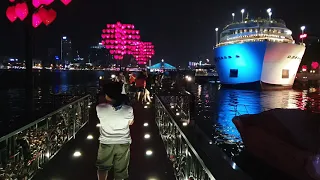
(217, 106)
(46, 83)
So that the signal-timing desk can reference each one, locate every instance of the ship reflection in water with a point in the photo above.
(217, 106)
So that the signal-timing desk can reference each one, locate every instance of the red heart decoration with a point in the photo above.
(36, 3)
(36, 20)
(47, 16)
(66, 2)
(46, 2)
(11, 13)
(22, 10)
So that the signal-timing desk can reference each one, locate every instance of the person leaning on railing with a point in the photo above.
(115, 117)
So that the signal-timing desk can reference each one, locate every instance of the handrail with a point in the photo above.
(41, 119)
(207, 171)
(27, 149)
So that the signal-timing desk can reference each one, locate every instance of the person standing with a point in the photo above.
(115, 116)
(141, 85)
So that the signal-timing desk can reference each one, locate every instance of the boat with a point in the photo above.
(258, 52)
(206, 73)
(287, 139)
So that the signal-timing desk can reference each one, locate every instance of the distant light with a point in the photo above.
(172, 107)
(270, 13)
(177, 114)
(100, 44)
(268, 10)
(77, 154)
(100, 77)
(149, 152)
(145, 107)
(233, 14)
(303, 36)
(185, 124)
(89, 137)
(303, 28)
(162, 60)
(147, 136)
(148, 102)
(113, 76)
(64, 37)
(98, 125)
(242, 10)
(145, 124)
(217, 29)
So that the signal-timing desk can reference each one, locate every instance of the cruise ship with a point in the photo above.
(258, 52)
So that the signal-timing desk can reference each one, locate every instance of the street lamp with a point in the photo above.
(270, 14)
(217, 29)
(268, 10)
(302, 31)
(233, 17)
(242, 11)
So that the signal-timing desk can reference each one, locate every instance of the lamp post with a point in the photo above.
(233, 17)
(269, 13)
(302, 31)
(217, 40)
(242, 11)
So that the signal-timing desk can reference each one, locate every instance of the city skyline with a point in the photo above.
(180, 32)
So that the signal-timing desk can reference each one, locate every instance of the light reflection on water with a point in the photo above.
(217, 106)
(12, 93)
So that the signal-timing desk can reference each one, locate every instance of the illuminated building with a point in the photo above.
(66, 50)
(99, 55)
(260, 51)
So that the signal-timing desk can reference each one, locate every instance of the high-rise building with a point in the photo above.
(99, 55)
(66, 50)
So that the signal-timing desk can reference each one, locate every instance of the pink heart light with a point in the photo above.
(11, 13)
(12, 1)
(66, 2)
(36, 20)
(36, 3)
(22, 10)
(46, 2)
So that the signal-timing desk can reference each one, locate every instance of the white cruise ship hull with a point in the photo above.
(267, 63)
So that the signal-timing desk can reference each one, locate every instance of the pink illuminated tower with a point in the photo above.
(120, 39)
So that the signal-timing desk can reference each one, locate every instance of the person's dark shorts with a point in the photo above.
(114, 155)
(140, 89)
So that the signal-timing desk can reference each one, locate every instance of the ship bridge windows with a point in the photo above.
(233, 73)
(285, 73)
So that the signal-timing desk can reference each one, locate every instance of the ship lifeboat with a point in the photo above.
(287, 139)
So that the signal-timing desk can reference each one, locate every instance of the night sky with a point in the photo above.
(181, 31)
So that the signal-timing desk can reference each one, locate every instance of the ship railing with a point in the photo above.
(172, 114)
(29, 148)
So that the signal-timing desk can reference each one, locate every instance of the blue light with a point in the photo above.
(64, 37)
(57, 57)
(247, 58)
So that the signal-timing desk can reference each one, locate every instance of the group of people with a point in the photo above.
(116, 116)
(137, 86)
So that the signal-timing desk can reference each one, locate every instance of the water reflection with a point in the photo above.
(217, 106)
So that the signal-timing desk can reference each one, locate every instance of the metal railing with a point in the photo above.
(27, 149)
(186, 161)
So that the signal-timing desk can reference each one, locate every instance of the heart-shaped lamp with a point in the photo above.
(47, 16)
(36, 20)
(51, 16)
(36, 3)
(66, 2)
(22, 10)
(11, 13)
